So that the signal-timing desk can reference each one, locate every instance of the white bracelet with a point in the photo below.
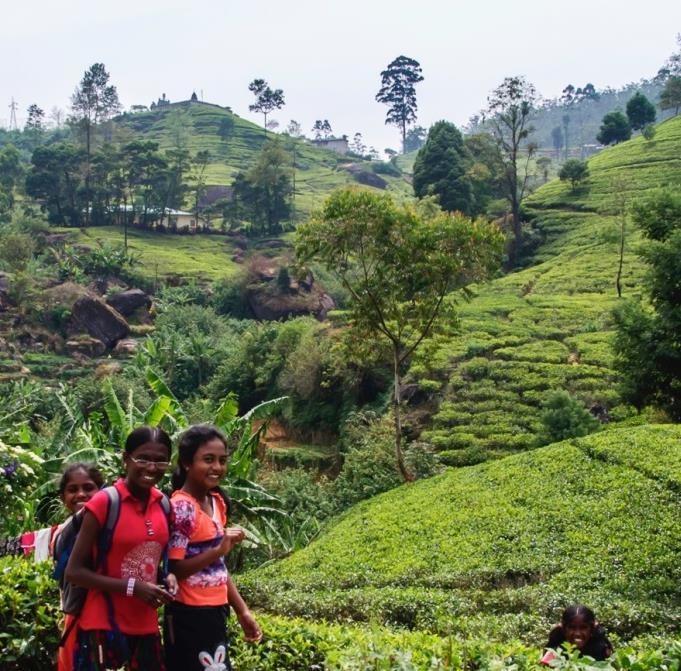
(131, 587)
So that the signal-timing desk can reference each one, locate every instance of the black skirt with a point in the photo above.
(195, 637)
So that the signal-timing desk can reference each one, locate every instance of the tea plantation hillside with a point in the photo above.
(548, 326)
(495, 551)
(318, 171)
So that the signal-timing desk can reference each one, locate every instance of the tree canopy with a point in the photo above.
(509, 108)
(404, 269)
(574, 171)
(640, 111)
(398, 91)
(670, 98)
(648, 341)
(266, 99)
(615, 128)
(440, 169)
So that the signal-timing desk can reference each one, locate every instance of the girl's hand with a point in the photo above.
(152, 595)
(251, 629)
(171, 584)
(233, 536)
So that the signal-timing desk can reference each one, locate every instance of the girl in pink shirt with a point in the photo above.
(195, 631)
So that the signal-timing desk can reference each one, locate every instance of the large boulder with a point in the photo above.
(269, 304)
(89, 313)
(85, 345)
(127, 302)
(92, 315)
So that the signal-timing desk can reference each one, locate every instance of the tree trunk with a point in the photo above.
(621, 263)
(406, 475)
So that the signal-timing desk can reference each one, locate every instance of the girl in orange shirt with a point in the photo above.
(195, 631)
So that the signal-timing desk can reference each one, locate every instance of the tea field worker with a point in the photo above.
(78, 484)
(118, 624)
(578, 626)
(195, 625)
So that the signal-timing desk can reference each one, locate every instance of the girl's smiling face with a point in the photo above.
(578, 631)
(208, 466)
(146, 465)
(79, 489)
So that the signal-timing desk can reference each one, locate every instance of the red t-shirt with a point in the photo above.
(134, 553)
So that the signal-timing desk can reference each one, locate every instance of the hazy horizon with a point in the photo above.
(328, 57)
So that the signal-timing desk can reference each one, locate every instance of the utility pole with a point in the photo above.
(13, 115)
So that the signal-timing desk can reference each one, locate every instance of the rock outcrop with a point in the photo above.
(128, 302)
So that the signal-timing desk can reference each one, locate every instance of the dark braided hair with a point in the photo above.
(147, 434)
(91, 470)
(598, 646)
(189, 443)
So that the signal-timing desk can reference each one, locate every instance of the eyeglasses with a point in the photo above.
(145, 463)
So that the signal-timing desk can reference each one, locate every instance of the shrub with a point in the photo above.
(574, 171)
(564, 417)
(29, 613)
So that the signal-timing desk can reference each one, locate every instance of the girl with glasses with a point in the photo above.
(118, 624)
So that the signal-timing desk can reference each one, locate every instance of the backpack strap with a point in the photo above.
(167, 511)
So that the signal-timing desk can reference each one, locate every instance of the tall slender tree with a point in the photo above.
(509, 108)
(266, 99)
(93, 101)
(398, 91)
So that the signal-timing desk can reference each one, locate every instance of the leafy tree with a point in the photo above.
(509, 108)
(226, 128)
(54, 179)
(200, 162)
(670, 98)
(566, 125)
(357, 145)
(322, 129)
(397, 91)
(34, 128)
(294, 129)
(543, 163)
(615, 128)
(440, 169)
(264, 192)
(557, 140)
(640, 111)
(94, 101)
(648, 340)
(11, 173)
(564, 417)
(648, 132)
(672, 66)
(415, 138)
(574, 171)
(485, 170)
(266, 98)
(403, 271)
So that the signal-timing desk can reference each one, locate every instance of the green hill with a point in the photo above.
(548, 326)
(318, 171)
(495, 551)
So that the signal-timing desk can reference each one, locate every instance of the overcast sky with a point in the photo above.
(327, 54)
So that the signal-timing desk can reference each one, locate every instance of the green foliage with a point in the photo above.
(564, 417)
(263, 195)
(440, 169)
(575, 171)
(29, 615)
(640, 111)
(670, 97)
(398, 91)
(648, 343)
(16, 249)
(368, 242)
(496, 551)
(615, 128)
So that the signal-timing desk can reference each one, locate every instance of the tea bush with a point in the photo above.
(497, 550)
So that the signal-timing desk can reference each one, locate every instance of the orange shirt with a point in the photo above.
(192, 533)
